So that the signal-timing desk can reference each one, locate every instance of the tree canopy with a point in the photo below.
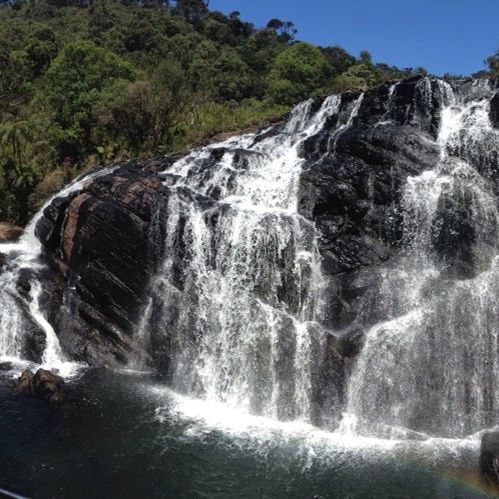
(93, 81)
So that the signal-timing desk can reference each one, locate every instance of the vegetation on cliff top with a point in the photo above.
(86, 83)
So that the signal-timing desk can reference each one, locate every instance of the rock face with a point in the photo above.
(104, 243)
(99, 244)
(489, 457)
(8, 232)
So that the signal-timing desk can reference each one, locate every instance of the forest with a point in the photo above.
(88, 83)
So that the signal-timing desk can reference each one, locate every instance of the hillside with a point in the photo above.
(89, 83)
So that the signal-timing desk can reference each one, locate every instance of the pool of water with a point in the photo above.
(125, 434)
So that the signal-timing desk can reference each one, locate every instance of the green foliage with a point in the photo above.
(41, 49)
(299, 70)
(76, 80)
(107, 80)
(193, 11)
(358, 77)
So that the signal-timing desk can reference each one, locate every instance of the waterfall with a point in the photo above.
(239, 309)
(433, 364)
(240, 291)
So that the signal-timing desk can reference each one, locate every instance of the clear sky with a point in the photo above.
(444, 36)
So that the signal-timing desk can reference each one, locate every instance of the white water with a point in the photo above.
(201, 419)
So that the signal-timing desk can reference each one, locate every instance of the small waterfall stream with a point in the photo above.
(18, 310)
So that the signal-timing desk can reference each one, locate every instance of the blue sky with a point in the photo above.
(444, 36)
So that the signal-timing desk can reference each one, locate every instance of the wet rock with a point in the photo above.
(34, 341)
(9, 232)
(6, 366)
(352, 342)
(24, 285)
(103, 259)
(489, 457)
(44, 385)
(464, 234)
(494, 110)
(48, 386)
(25, 383)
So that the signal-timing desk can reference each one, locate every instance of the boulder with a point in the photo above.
(9, 232)
(489, 457)
(48, 386)
(25, 383)
(44, 385)
(99, 248)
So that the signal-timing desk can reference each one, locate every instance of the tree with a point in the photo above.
(357, 77)
(41, 49)
(75, 80)
(201, 69)
(138, 112)
(365, 57)
(231, 77)
(338, 59)
(193, 11)
(299, 71)
(284, 29)
(14, 80)
(493, 63)
(141, 115)
(15, 132)
(18, 176)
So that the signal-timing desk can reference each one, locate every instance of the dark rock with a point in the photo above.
(6, 366)
(494, 110)
(84, 234)
(48, 386)
(34, 341)
(24, 284)
(463, 236)
(25, 383)
(352, 342)
(489, 457)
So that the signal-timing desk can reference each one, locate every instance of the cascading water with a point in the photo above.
(432, 366)
(295, 333)
(247, 296)
(240, 289)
